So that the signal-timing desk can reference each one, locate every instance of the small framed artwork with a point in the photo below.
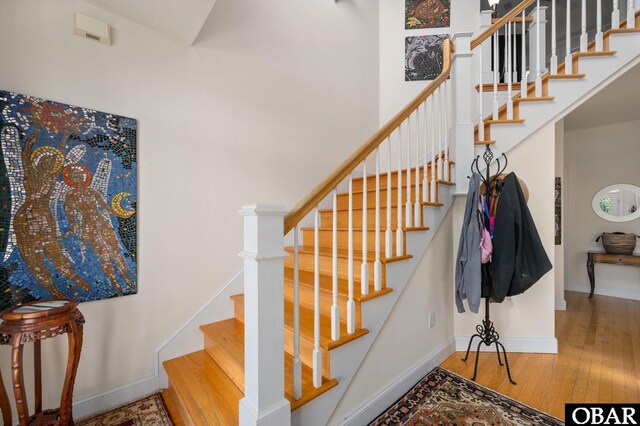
(423, 57)
(427, 14)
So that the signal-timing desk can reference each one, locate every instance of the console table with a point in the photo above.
(602, 257)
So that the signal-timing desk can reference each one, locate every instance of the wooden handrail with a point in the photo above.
(500, 23)
(338, 175)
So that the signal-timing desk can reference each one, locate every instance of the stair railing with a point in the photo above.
(423, 125)
(517, 41)
(335, 229)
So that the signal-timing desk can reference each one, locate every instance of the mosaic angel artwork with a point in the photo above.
(68, 222)
(427, 14)
(423, 57)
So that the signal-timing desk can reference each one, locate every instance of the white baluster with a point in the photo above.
(514, 51)
(399, 230)
(524, 84)
(351, 305)
(599, 35)
(615, 15)
(508, 73)
(388, 241)
(296, 364)
(440, 167)
(631, 13)
(538, 53)
(408, 207)
(445, 171)
(434, 124)
(584, 38)
(480, 98)
(377, 264)
(554, 40)
(417, 209)
(317, 355)
(425, 178)
(568, 60)
(335, 309)
(364, 269)
(496, 104)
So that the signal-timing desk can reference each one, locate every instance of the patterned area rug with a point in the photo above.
(149, 411)
(444, 398)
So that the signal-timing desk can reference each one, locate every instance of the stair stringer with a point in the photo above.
(346, 359)
(569, 93)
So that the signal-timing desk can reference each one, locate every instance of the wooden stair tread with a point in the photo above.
(563, 76)
(344, 253)
(306, 326)
(515, 121)
(535, 99)
(230, 333)
(594, 54)
(371, 228)
(477, 142)
(326, 285)
(206, 393)
(431, 204)
(172, 407)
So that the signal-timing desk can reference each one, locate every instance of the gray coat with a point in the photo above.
(468, 272)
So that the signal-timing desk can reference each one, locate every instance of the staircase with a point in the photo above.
(214, 377)
(361, 237)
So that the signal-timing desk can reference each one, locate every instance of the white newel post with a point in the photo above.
(463, 83)
(264, 402)
(533, 43)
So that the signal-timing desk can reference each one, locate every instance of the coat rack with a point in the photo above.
(486, 331)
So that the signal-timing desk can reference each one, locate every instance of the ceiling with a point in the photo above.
(616, 103)
(181, 20)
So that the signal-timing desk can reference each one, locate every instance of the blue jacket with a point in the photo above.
(468, 273)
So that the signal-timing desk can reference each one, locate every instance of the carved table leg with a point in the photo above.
(66, 399)
(4, 404)
(37, 371)
(17, 376)
(592, 279)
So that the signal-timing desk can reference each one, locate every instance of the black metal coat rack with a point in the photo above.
(486, 331)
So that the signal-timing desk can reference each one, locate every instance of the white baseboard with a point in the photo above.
(513, 344)
(621, 294)
(115, 397)
(393, 391)
(561, 305)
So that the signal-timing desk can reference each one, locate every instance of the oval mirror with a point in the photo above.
(617, 203)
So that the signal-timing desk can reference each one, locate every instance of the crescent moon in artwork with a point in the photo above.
(116, 205)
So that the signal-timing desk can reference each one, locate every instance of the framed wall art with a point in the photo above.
(68, 188)
(423, 57)
(427, 14)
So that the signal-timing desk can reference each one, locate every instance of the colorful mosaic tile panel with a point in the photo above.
(68, 188)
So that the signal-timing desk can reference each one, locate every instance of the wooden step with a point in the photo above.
(371, 178)
(307, 336)
(224, 342)
(326, 237)
(306, 261)
(170, 401)
(358, 199)
(306, 293)
(201, 391)
(575, 59)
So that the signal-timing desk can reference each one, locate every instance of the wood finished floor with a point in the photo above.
(598, 359)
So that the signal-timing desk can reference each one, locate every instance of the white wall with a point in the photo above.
(271, 98)
(595, 158)
(406, 339)
(526, 322)
(395, 93)
(558, 266)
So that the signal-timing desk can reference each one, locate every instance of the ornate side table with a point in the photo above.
(32, 323)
